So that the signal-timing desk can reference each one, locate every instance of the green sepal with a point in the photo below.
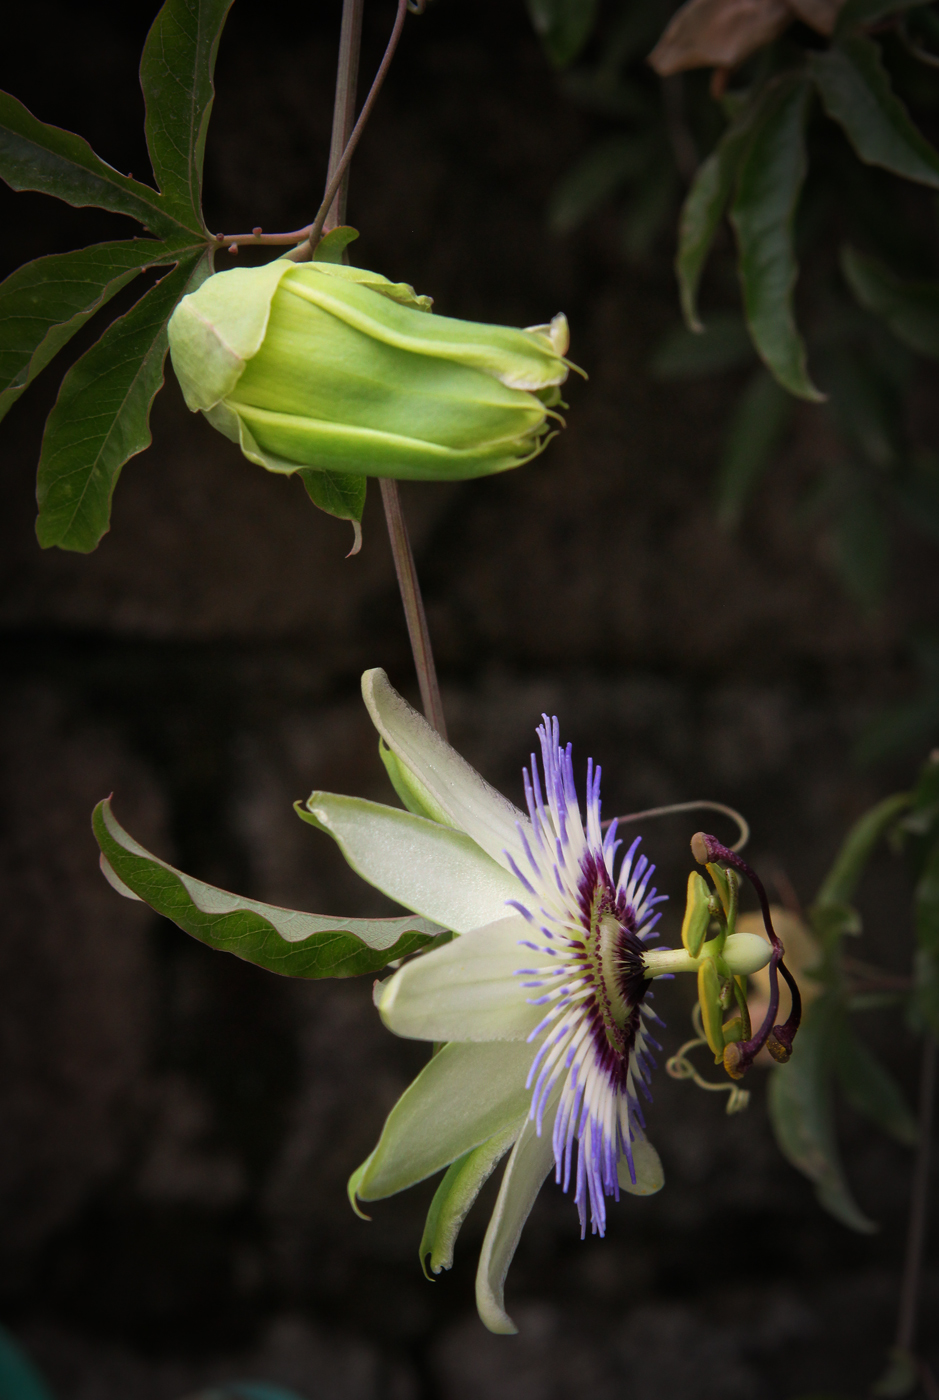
(455, 1196)
(857, 93)
(333, 245)
(415, 796)
(697, 914)
(352, 1187)
(287, 941)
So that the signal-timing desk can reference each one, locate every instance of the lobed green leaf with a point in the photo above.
(176, 75)
(45, 302)
(911, 309)
(286, 941)
(857, 93)
(870, 1089)
(801, 1111)
(101, 417)
(768, 187)
(36, 156)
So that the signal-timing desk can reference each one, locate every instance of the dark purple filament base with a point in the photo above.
(739, 1055)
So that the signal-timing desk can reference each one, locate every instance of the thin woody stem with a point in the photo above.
(413, 606)
(916, 1233)
(344, 139)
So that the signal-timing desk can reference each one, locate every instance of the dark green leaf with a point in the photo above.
(870, 1089)
(911, 309)
(856, 90)
(925, 1009)
(840, 883)
(862, 549)
(926, 903)
(596, 178)
(768, 187)
(831, 922)
(101, 418)
(758, 423)
(43, 304)
(802, 1115)
(685, 354)
(563, 26)
(901, 1377)
(19, 1379)
(282, 940)
(863, 12)
(703, 210)
(176, 71)
(35, 156)
(867, 405)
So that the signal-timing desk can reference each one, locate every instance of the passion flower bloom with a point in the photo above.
(542, 998)
(332, 368)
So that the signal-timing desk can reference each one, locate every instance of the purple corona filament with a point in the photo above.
(593, 1055)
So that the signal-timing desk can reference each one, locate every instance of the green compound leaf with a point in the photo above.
(176, 72)
(910, 309)
(101, 417)
(870, 1089)
(703, 210)
(768, 187)
(840, 883)
(43, 304)
(857, 93)
(35, 156)
(801, 1111)
(282, 940)
(756, 428)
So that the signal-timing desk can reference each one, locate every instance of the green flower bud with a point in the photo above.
(331, 368)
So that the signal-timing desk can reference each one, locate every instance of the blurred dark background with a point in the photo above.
(177, 1126)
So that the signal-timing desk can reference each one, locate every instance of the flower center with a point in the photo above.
(614, 958)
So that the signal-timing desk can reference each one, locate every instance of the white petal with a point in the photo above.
(650, 1177)
(467, 990)
(430, 869)
(465, 1095)
(531, 1160)
(467, 799)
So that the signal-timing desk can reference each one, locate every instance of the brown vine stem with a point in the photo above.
(413, 606)
(331, 212)
(916, 1233)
